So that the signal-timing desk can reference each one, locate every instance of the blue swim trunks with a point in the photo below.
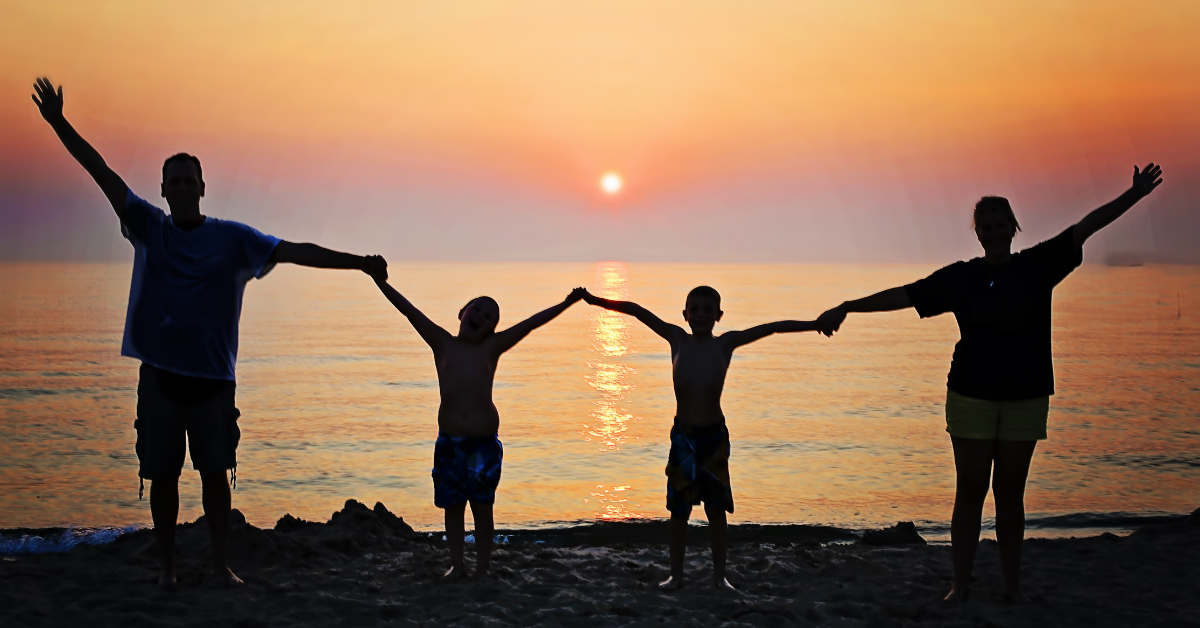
(698, 468)
(466, 468)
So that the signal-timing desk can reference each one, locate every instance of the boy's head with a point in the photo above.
(702, 309)
(478, 318)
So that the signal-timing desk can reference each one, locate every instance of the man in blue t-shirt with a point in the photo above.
(189, 273)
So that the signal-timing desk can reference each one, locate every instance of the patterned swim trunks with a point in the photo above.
(466, 468)
(698, 468)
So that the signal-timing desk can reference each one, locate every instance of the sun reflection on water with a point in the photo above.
(609, 426)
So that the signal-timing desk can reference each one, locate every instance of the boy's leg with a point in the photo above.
(455, 530)
(164, 510)
(973, 466)
(718, 527)
(217, 504)
(678, 545)
(1008, 487)
(485, 530)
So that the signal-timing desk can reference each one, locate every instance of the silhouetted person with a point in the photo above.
(1001, 377)
(698, 463)
(189, 273)
(467, 456)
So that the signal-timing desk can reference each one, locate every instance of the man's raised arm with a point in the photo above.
(657, 325)
(50, 103)
(314, 256)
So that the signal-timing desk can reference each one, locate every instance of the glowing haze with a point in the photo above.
(479, 130)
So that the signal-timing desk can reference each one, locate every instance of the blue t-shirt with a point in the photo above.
(186, 295)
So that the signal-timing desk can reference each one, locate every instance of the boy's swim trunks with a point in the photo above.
(1024, 420)
(698, 468)
(466, 468)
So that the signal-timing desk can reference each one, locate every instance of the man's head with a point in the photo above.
(478, 318)
(702, 309)
(995, 224)
(183, 181)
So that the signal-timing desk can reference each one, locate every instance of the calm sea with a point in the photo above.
(339, 397)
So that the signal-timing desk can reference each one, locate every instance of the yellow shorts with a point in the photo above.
(1024, 420)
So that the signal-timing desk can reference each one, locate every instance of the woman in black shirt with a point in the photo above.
(1001, 376)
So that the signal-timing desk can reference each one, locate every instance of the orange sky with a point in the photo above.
(484, 126)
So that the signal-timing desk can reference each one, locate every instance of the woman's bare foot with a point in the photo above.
(167, 582)
(723, 585)
(671, 584)
(227, 578)
(957, 595)
(455, 573)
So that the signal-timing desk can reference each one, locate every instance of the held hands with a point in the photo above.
(1145, 181)
(376, 267)
(831, 321)
(49, 102)
(577, 294)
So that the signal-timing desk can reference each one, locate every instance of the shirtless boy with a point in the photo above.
(468, 453)
(698, 465)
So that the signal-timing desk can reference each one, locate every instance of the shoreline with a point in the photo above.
(365, 566)
(27, 541)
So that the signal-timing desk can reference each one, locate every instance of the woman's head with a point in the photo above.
(995, 224)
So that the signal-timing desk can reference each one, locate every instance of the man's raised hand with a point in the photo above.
(376, 267)
(1144, 181)
(49, 102)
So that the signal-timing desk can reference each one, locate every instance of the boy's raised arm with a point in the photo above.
(50, 104)
(430, 332)
(657, 325)
(508, 338)
(758, 332)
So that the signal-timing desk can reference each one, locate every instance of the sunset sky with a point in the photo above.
(480, 130)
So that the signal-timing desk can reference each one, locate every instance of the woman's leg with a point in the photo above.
(973, 465)
(1008, 487)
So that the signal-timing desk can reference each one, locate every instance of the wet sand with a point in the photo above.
(367, 567)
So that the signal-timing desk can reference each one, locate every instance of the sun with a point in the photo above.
(611, 183)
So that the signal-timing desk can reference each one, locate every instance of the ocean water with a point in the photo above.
(339, 398)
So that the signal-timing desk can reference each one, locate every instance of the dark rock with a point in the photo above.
(902, 533)
(1194, 519)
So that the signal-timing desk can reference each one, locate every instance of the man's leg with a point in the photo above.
(217, 503)
(164, 510)
(1008, 487)
(718, 527)
(455, 525)
(973, 465)
(485, 530)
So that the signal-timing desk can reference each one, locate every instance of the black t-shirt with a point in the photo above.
(1003, 314)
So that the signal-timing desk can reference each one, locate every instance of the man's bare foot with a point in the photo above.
(724, 585)
(957, 595)
(671, 584)
(455, 573)
(227, 578)
(167, 582)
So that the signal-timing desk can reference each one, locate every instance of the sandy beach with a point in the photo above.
(367, 567)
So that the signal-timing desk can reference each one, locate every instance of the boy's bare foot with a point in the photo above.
(956, 595)
(227, 578)
(167, 582)
(455, 574)
(671, 584)
(724, 585)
